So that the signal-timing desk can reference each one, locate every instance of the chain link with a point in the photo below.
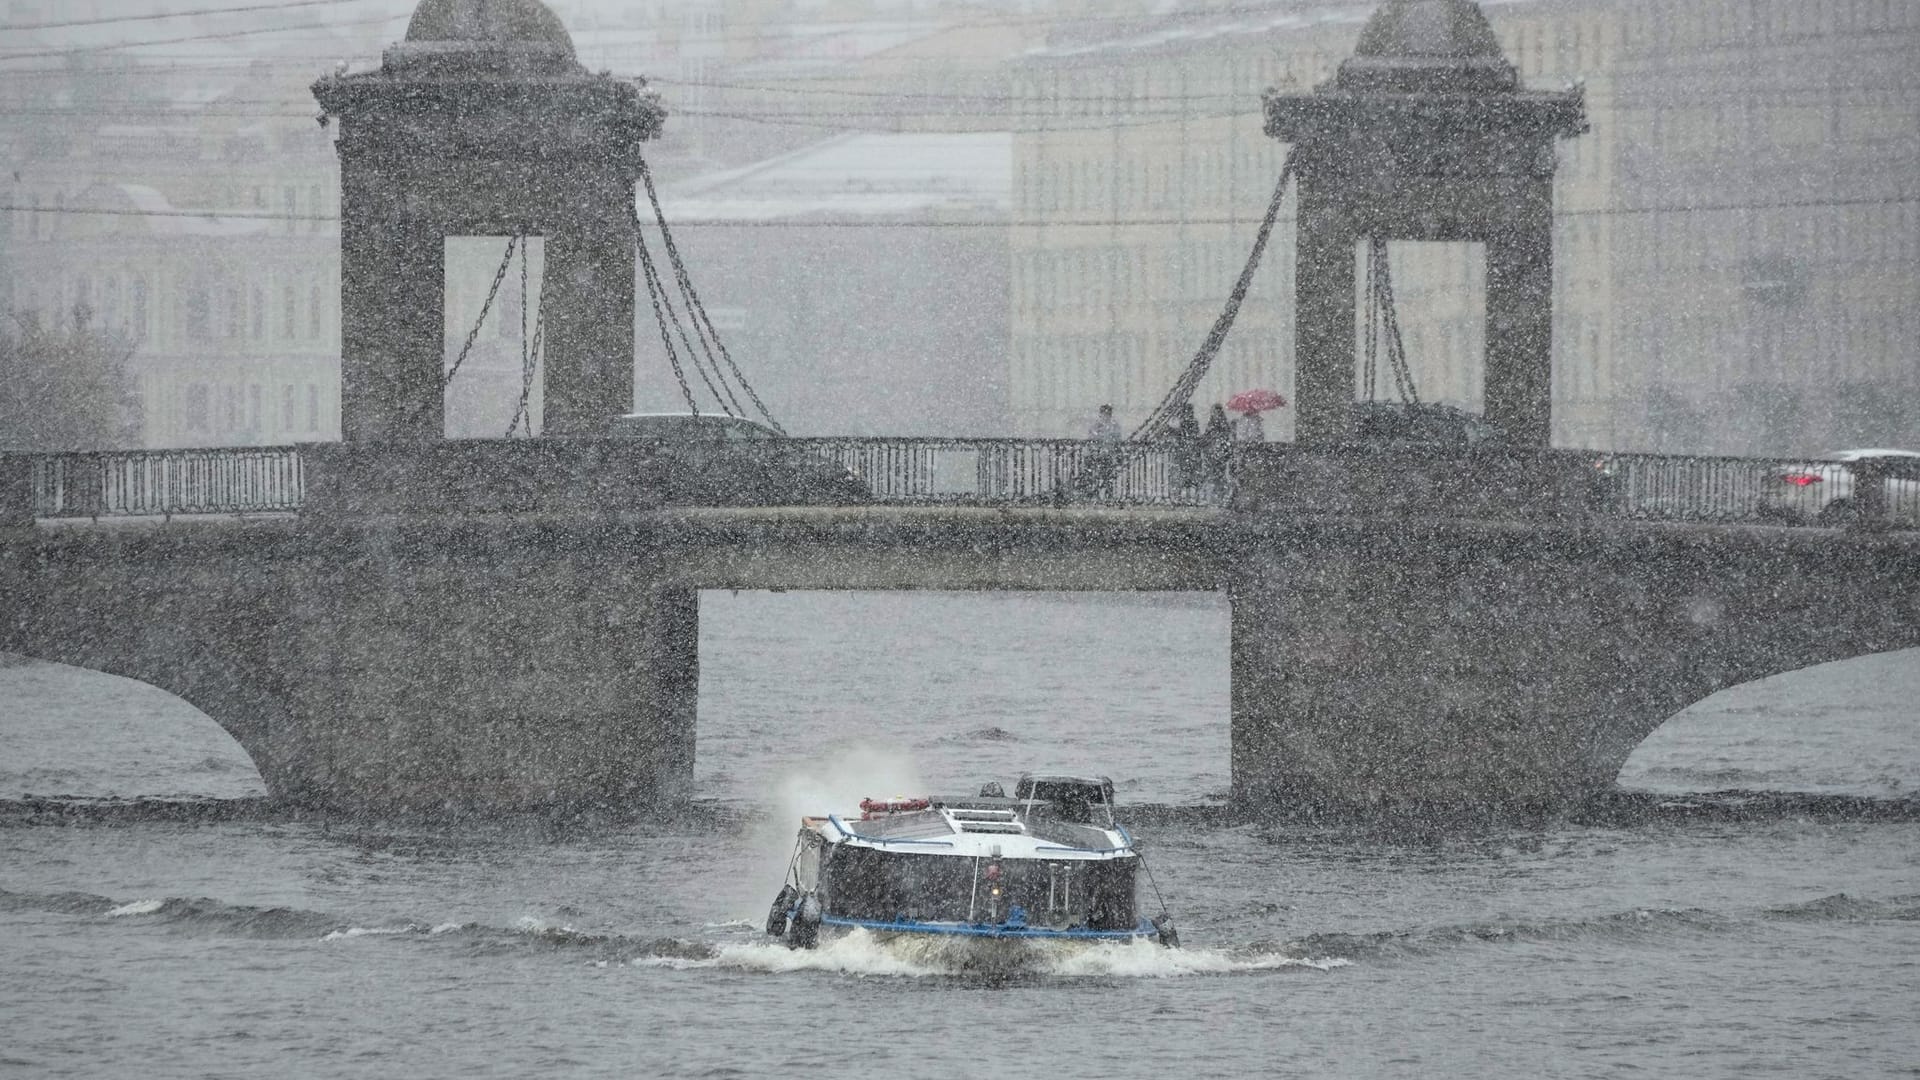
(529, 352)
(659, 317)
(1189, 380)
(703, 324)
(473, 335)
(680, 330)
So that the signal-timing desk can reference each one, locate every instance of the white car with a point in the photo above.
(1823, 491)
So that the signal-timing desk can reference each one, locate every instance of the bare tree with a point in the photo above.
(65, 387)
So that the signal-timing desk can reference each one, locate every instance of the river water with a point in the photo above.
(246, 942)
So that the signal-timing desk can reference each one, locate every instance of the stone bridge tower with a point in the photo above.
(482, 122)
(1425, 134)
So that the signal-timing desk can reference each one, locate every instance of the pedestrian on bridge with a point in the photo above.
(1103, 458)
(1105, 428)
(1186, 473)
(1217, 452)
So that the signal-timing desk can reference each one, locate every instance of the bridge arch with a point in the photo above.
(81, 731)
(1842, 725)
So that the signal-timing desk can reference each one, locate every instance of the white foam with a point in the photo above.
(138, 907)
(861, 953)
(445, 928)
(370, 931)
(857, 953)
(528, 924)
(1147, 960)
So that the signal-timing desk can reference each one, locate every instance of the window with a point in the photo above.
(197, 311)
(197, 411)
(313, 407)
(286, 407)
(316, 321)
(288, 313)
(259, 313)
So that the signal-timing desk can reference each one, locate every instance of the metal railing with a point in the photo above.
(1019, 471)
(1040, 472)
(161, 483)
(1779, 491)
(1666, 488)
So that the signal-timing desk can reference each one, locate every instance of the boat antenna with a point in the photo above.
(794, 861)
(1158, 899)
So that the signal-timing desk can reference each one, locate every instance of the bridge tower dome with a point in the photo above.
(1426, 134)
(483, 123)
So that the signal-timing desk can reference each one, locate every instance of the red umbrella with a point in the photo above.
(1254, 401)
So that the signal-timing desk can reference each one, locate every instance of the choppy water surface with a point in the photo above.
(1776, 945)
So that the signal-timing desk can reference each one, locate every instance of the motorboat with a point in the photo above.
(1049, 863)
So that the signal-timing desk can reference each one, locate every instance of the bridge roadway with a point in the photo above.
(1379, 662)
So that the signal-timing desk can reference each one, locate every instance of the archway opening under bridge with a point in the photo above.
(1845, 727)
(825, 694)
(77, 732)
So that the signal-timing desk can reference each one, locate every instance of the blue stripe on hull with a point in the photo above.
(1145, 929)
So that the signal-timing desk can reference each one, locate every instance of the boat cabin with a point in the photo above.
(1084, 799)
(1050, 864)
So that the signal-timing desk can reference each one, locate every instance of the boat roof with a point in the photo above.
(975, 831)
(1065, 778)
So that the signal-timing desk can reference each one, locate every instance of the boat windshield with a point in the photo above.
(863, 883)
(1072, 798)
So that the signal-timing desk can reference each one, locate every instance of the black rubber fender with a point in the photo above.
(777, 915)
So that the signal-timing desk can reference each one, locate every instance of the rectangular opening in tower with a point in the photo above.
(1436, 295)
(494, 336)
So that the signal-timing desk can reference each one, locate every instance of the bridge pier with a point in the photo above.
(386, 664)
(1433, 668)
(1368, 681)
(475, 666)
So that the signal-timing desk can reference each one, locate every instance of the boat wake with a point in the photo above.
(865, 954)
(738, 946)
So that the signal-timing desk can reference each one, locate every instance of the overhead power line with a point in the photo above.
(106, 20)
(226, 35)
(1005, 223)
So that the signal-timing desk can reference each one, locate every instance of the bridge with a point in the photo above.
(406, 621)
(515, 623)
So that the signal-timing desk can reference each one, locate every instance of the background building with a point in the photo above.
(201, 230)
(170, 176)
(861, 281)
(1735, 239)
(1737, 244)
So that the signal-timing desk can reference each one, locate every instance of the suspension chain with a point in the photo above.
(493, 291)
(656, 285)
(529, 351)
(1189, 380)
(659, 317)
(527, 371)
(1390, 319)
(1371, 369)
(703, 324)
(680, 331)
(473, 335)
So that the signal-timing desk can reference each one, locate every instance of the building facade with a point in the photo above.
(1732, 236)
(209, 242)
(861, 281)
